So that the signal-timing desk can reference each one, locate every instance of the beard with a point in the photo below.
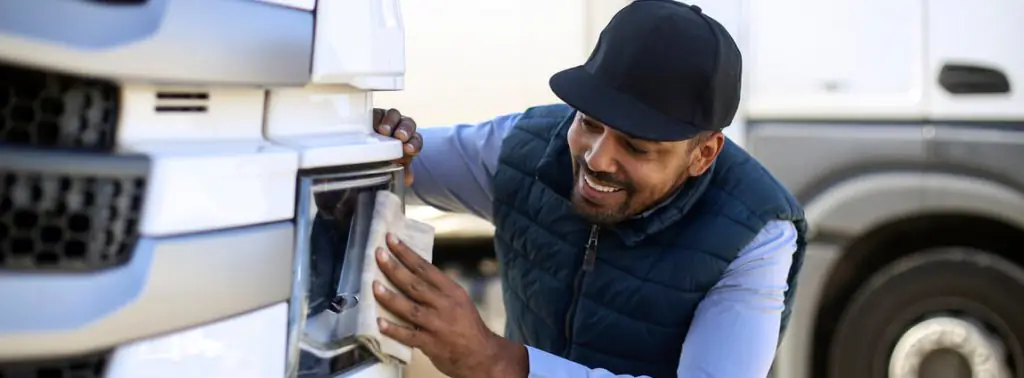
(601, 214)
(596, 215)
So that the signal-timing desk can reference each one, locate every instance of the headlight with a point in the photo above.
(251, 345)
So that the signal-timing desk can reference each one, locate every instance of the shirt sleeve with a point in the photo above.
(546, 365)
(455, 168)
(740, 316)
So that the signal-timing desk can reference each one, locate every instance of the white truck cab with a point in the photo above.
(178, 182)
(900, 127)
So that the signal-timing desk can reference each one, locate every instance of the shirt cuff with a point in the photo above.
(547, 365)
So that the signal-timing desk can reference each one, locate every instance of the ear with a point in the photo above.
(704, 152)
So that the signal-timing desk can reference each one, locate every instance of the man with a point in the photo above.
(633, 237)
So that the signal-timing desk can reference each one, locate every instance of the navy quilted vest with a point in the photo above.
(629, 308)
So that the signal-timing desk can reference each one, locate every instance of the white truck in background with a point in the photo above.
(178, 182)
(899, 125)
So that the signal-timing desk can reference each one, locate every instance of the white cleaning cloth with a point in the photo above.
(329, 334)
(388, 218)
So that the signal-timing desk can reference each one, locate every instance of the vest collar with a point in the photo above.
(555, 170)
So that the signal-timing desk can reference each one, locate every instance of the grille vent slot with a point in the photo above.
(66, 222)
(182, 102)
(69, 213)
(54, 111)
(92, 366)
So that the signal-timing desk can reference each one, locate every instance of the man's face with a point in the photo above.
(617, 177)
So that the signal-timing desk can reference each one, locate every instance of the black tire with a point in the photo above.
(963, 281)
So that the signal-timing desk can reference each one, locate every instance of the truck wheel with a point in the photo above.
(942, 313)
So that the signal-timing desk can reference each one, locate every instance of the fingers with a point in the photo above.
(388, 122)
(415, 313)
(401, 333)
(409, 179)
(406, 163)
(405, 129)
(392, 123)
(420, 267)
(414, 145)
(410, 284)
(378, 116)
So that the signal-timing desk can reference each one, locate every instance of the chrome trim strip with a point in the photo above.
(300, 276)
(356, 183)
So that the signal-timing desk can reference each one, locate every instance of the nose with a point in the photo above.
(601, 155)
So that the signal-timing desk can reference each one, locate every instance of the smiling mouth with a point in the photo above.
(598, 187)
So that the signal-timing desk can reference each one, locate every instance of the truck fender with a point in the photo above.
(862, 203)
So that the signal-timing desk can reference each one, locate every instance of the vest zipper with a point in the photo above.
(589, 259)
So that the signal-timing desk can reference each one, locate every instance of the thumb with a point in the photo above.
(408, 176)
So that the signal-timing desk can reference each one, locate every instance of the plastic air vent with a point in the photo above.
(49, 110)
(181, 102)
(93, 366)
(68, 212)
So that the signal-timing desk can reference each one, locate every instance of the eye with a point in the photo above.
(590, 126)
(634, 149)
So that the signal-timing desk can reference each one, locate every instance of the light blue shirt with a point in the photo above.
(740, 316)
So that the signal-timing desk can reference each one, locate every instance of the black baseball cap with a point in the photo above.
(662, 71)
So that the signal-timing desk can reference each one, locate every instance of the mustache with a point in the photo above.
(604, 176)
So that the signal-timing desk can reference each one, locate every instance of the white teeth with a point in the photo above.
(600, 188)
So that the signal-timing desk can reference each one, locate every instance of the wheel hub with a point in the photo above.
(948, 347)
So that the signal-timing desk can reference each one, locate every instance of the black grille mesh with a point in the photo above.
(67, 222)
(93, 366)
(56, 111)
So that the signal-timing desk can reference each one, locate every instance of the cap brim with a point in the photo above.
(580, 89)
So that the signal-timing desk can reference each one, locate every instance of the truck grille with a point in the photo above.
(49, 110)
(67, 221)
(93, 366)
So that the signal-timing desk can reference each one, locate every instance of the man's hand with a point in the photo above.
(393, 124)
(445, 324)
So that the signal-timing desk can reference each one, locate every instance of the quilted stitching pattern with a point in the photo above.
(637, 304)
